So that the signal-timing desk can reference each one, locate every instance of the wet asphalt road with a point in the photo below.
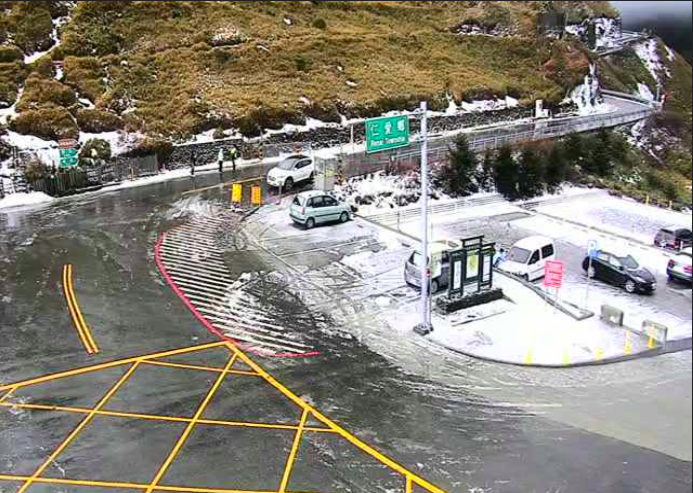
(471, 434)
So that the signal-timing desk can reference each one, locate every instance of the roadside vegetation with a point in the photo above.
(603, 159)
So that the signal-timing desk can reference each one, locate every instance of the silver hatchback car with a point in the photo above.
(312, 208)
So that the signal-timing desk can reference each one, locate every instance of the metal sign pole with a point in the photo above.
(426, 265)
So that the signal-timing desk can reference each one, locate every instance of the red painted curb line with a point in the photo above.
(204, 321)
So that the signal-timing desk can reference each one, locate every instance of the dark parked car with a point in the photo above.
(623, 272)
(674, 238)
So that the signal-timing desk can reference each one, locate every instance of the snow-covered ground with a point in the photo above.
(620, 216)
(24, 199)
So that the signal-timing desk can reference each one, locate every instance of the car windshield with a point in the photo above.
(417, 259)
(519, 255)
(629, 263)
(288, 164)
(685, 235)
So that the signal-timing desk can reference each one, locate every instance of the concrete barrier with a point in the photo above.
(613, 316)
(658, 334)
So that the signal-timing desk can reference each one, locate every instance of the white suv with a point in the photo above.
(291, 171)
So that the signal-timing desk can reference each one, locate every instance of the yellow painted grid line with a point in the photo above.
(79, 428)
(410, 485)
(294, 452)
(112, 364)
(186, 434)
(67, 273)
(339, 430)
(7, 395)
(414, 479)
(201, 368)
(154, 417)
(130, 486)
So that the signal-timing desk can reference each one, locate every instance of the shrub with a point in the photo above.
(219, 133)
(302, 64)
(320, 24)
(86, 75)
(150, 145)
(40, 91)
(33, 26)
(12, 75)
(97, 121)
(93, 151)
(458, 176)
(35, 170)
(10, 53)
(52, 123)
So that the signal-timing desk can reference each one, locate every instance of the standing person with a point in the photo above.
(220, 159)
(235, 155)
(193, 162)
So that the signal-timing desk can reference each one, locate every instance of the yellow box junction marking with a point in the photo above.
(82, 329)
(409, 479)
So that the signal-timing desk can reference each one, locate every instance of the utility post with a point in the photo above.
(425, 264)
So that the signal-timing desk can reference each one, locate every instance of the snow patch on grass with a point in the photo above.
(650, 56)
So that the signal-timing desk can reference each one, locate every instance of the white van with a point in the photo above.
(528, 257)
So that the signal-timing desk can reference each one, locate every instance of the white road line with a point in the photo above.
(182, 258)
(270, 328)
(198, 268)
(184, 277)
(187, 270)
(193, 246)
(263, 341)
(199, 232)
(206, 254)
(191, 238)
(202, 287)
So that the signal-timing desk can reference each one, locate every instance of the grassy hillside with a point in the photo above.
(177, 68)
(663, 163)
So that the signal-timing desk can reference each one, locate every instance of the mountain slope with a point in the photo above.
(178, 68)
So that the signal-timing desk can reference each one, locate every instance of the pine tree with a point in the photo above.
(532, 175)
(600, 162)
(485, 177)
(506, 174)
(557, 169)
(458, 177)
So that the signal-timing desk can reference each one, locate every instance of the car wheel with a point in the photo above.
(435, 287)
(289, 184)
(310, 223)
(631, 287)
(592, 273)
(525, 278)
(344, 218)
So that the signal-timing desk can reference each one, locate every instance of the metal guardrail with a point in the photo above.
(490, 139)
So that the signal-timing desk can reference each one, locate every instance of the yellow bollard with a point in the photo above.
(256, 196)
(652, 343)
(600, 354)
(529, 359)
(237, 193)
(566, 357)
(629, 344)
(647, 200)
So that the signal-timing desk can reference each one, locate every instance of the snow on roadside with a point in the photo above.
(588, 97)
(650, 56)
(25, 199)
(671, 54)
(645, 92)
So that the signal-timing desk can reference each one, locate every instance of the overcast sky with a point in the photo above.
(654, 9)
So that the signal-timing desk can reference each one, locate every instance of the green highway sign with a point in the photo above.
(68, 158)
(383, 134)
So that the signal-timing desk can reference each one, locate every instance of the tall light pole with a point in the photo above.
(426, 262)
